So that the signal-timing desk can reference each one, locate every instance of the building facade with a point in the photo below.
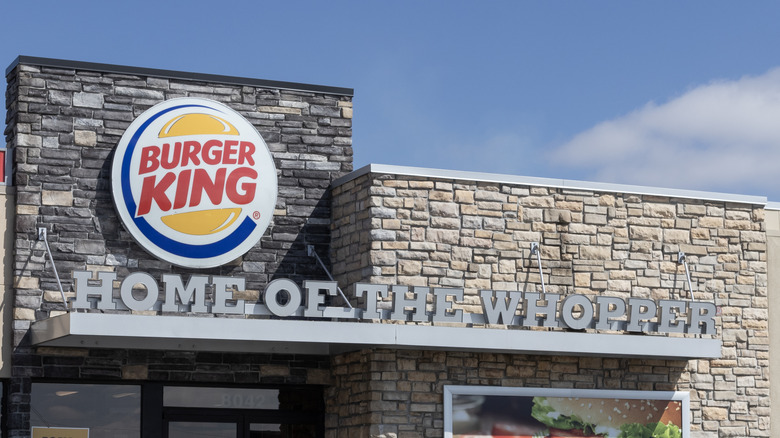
(450, 290)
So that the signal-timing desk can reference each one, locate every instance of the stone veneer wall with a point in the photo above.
(398, 393)
(64, 123)
(394, 229)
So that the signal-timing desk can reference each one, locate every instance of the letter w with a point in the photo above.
(497, 307)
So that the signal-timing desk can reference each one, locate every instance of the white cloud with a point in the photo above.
(722, 136)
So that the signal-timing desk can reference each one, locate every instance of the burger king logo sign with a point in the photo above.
(194, 182)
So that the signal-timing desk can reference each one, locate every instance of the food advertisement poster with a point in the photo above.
(488, 412)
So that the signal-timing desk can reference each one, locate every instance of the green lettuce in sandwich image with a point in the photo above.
(613, 418)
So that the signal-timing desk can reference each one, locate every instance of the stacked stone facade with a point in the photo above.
(398, 393)
(444, 232)
(63, 125)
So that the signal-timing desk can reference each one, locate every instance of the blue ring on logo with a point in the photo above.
(166, 243)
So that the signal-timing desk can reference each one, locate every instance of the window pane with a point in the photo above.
(229, 398)
(107, 410)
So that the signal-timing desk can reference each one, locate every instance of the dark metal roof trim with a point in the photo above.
(173, 74)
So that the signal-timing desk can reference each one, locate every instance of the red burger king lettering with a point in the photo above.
(187, 152)
(238, 192)
(191, 184)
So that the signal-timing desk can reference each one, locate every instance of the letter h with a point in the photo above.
(102, 293)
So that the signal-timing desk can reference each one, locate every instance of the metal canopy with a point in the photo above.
(99, 330)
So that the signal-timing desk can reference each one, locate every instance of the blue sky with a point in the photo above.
(668, 94)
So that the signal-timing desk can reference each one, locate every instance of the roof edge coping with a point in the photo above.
(550, 182)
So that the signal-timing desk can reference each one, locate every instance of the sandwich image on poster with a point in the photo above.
(548, 416)
(622, 418)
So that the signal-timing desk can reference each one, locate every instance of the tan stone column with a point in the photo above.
(6, 286)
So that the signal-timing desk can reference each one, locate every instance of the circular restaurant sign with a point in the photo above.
(194, 182)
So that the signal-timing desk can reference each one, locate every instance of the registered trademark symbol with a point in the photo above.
(256, 215)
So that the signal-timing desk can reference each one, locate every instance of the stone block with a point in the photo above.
(582, 279)
(447, 223)
(536, 201)
(85, 138)
(752, 236)
(595, 253)
(327, 111)
(26, 283)
(572, 206)
(619, 285)
(607, 200)
(409, 267)
(88, 100)
(464, 197)
(444, 209)
(677, 236)
(90, 246)
(700, 234)
(442, 236)
(274, 370)
(34, 141)
(645, 233)
(57, 197)
(576, 228)
(440, 195)
(598, 219)
(658, 210)
(558, 216)
(24, 314)
(715, 413)
(135, 372)
(382, 235)
(710, 222)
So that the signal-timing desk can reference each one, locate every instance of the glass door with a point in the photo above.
(220, 412)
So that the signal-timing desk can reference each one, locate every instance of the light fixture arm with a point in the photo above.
(681, 260)
(312, 253)
(42, 236)
(535, 251)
